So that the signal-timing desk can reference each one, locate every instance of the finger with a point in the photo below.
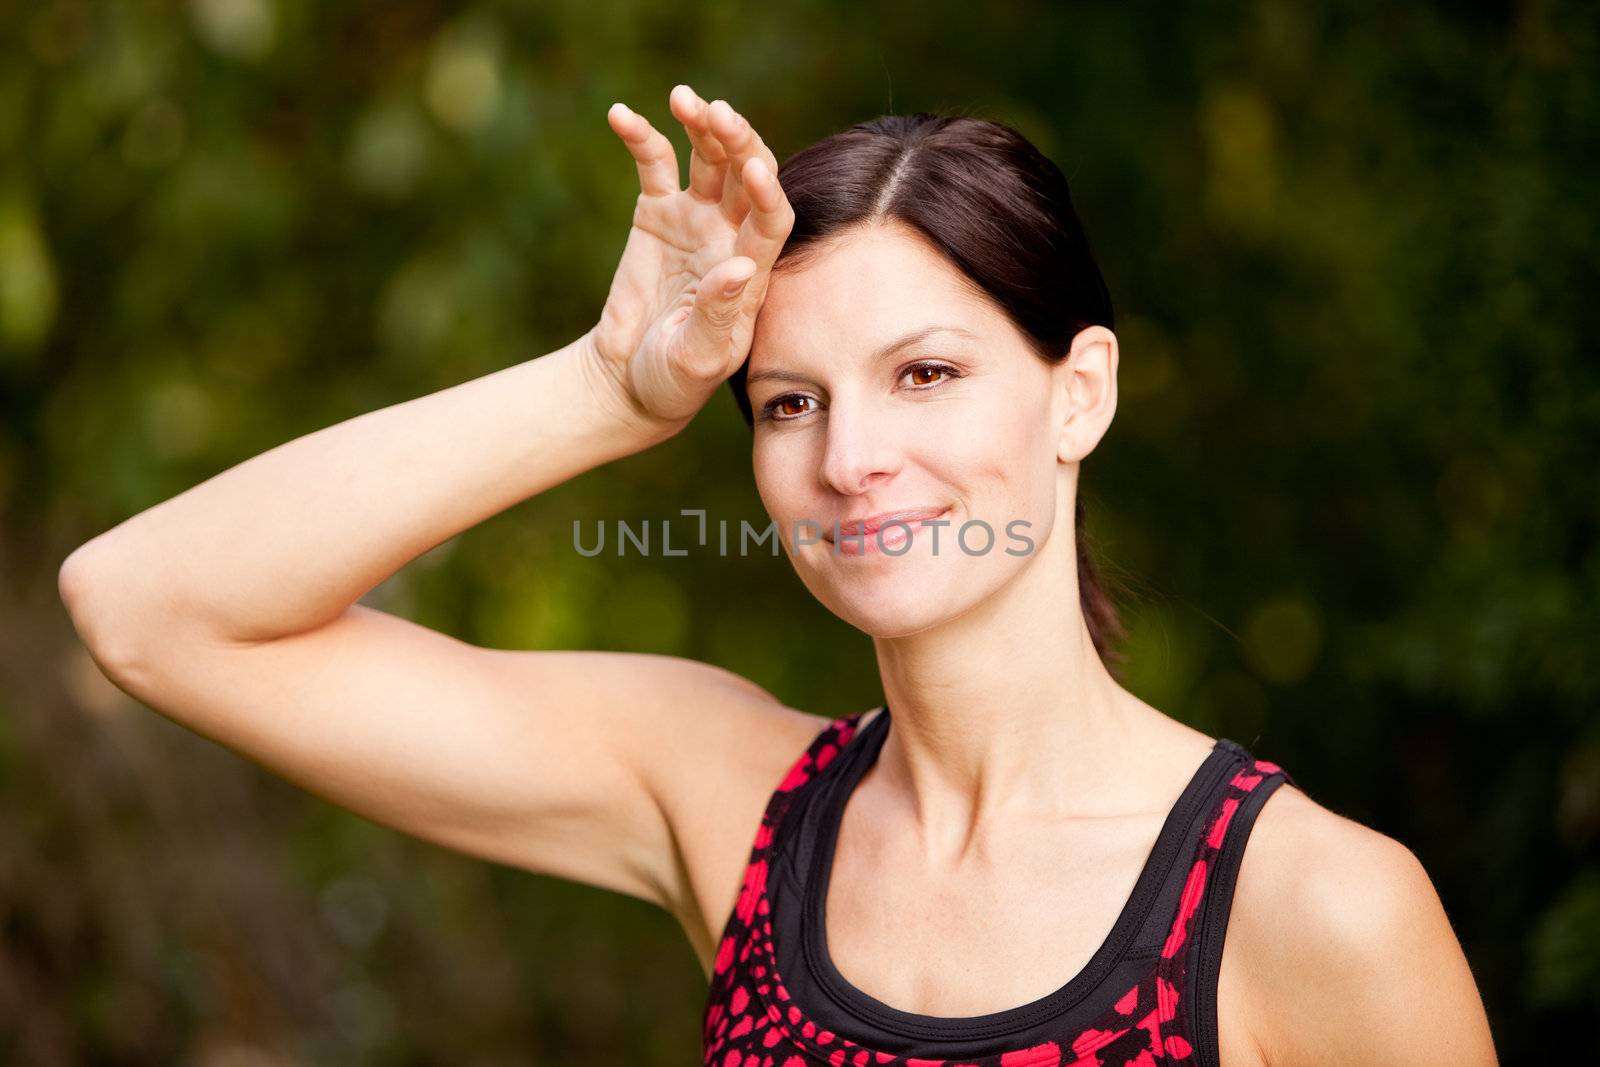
(771, 218)
(708, 162)
(715, 314)
(739, 139)
(658, 163)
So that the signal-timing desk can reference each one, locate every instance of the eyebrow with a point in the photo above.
(904, 341)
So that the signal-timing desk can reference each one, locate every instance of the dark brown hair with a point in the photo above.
(999, 210)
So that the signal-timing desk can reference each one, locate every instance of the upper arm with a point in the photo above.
(1356, 961)
(551, 761)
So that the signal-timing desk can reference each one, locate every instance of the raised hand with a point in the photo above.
(682, 307)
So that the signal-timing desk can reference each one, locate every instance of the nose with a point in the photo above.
(861, 449)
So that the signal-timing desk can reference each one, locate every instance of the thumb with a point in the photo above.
(740, 269)
(718, 303)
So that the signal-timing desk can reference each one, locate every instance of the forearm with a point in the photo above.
(287, 540)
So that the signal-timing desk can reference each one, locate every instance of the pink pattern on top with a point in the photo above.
(750, 1022)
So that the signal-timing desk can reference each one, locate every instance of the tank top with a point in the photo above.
(1146, 996)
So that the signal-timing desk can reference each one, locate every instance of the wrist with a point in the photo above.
(614, 402)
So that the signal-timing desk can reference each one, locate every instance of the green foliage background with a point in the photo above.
(1351, 490)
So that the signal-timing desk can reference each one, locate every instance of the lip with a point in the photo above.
(861, 531)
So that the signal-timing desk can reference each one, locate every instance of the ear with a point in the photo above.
(1085, 385)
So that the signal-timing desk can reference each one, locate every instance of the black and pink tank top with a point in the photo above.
(1147, 996)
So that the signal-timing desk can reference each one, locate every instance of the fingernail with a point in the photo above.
(733, 288)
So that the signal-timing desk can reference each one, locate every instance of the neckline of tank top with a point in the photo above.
(856, 758)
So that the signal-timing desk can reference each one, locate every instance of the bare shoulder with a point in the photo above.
(712, 775)
(1344, 950)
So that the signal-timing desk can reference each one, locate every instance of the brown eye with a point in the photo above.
(778, 408)
(920, 373)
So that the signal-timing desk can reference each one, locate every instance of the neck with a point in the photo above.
(1006, 714)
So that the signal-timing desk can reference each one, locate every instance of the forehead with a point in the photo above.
(858, 290)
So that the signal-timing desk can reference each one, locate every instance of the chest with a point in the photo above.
(968, 943)
(1007, 926)
(1003, 926)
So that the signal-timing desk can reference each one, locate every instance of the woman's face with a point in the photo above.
(962, 422)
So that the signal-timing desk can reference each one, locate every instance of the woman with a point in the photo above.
(1013, 860)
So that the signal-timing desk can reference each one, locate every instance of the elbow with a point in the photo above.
(98, 602)
(73, 584)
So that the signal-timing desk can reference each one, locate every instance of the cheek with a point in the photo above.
(1019, 461)
(779, 483)
(764, 487)
(1020, 477)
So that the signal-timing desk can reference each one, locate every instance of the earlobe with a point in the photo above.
(1067, 446)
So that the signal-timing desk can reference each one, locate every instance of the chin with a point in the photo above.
(892, 606)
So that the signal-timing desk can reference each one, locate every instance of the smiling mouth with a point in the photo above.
(892, 530)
